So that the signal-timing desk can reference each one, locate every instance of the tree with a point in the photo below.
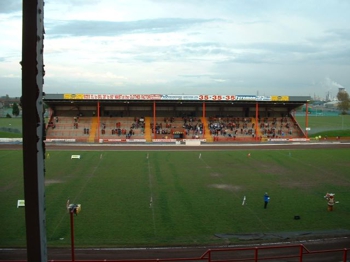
(15, 109)
(344, 101)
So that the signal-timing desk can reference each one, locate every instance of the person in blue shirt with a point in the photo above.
(266, 200)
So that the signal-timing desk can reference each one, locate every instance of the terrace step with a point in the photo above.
(148, 133)
(93, 128)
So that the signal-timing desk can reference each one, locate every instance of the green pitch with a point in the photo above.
(144, 198)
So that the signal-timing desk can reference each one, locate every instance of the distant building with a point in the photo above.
(6, 101)
(331, 104)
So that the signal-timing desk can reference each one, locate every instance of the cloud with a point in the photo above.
(176, 46)
(338, 34)
(10, 6)
(112, 28)
(196, 76)
(77, 2)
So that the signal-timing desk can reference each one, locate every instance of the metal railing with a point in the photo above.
(264, 253)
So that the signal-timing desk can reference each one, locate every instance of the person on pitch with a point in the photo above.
(266, 200)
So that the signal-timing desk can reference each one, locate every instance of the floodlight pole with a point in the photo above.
(71, 213)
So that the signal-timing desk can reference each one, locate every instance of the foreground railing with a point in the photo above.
(256, 254)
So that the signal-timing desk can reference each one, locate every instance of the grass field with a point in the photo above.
(138, 198)
(10, 127)
(326, 124)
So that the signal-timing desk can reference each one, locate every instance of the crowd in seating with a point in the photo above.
(190, 127)
(127, 128)
(52, 124)
(193, 126)
(277, 127)
(164, 127)
(172, 127)
(231, 126)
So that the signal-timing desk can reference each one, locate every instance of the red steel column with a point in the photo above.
(256, 120)
(98, 121)
(301, 249)
(203, 115)
(256, 256)
(345, 254)
(154, 120)
(72, 234)
(306, 119)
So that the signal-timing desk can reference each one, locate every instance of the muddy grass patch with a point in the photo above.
(226, 187)
(52, 181)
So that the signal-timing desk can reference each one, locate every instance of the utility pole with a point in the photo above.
(33, 129)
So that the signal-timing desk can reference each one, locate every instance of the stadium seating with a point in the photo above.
(224, 129)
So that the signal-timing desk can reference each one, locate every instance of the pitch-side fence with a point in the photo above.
(297, 253)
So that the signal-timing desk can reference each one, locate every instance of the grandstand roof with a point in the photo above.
(141, 99)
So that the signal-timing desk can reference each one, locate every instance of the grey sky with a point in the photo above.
(192, 47)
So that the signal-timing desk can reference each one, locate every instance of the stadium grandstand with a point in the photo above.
(117, 118)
